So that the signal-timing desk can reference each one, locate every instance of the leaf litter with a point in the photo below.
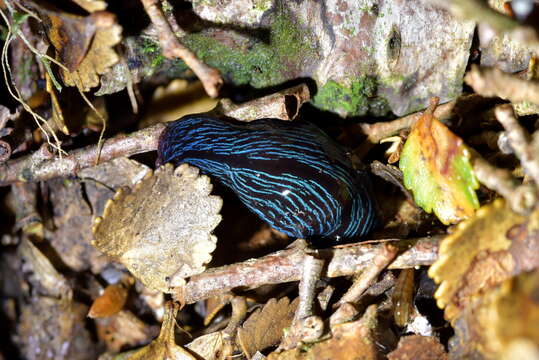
(158, 234)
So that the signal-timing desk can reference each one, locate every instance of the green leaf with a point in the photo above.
(436, 168)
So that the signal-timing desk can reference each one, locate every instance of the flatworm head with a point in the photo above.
(291, 174)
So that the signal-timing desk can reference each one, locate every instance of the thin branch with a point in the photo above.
(172, 48)
(282, 105)
(378, 131)
(287, 265)
(312, 269)
(42, 165)
(520, 141)
(522, 198)
(492, 82)
(367, 277)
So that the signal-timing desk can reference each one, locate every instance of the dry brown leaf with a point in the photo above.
(351, 340)
(161, 230)
(74, 204)
(215, 304)
(84, 44)
(501, 323)
(496, 244)
(100, 56)
(212, 346)
(264, 328)
(164, 347)
(123, 330)
(110, 302)
(416, 347)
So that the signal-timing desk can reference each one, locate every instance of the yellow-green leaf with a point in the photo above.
(436, 167)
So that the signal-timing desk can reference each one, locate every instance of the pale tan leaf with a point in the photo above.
(161, 230)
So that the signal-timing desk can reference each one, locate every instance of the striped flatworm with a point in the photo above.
(291, 174)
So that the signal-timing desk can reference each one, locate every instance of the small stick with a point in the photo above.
(492, 82)
(287, 265)
(172, 48)
(312, 269)
(522, 198)
(282, 105)
(42, 165)
(378, 131)
(519, 140)
(385, 256)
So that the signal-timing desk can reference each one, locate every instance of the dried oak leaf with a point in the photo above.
(483, 251)
(350, 340)
(435, 166)
(264, 328)
(416, 347)
(164, 347)
(502, 324)
(161, 230)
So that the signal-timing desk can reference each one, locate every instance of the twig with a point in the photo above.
(42, 165)
(522, 198)
(286, 266)
(520, 141)
(282, 105)
(378, 131)
(312, 269)
(383, 258)
(493, 82)
(172, 48)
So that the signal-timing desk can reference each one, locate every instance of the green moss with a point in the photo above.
(352, 101)
(259, 64)
(154, 51)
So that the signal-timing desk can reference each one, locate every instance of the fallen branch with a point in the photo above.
(43, 165)
(172, 48)
(521, 197)
(287, 265)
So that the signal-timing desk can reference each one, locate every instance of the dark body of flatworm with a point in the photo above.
(291, 174)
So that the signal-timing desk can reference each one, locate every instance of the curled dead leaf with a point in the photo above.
(502, 324)
(485, 250)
